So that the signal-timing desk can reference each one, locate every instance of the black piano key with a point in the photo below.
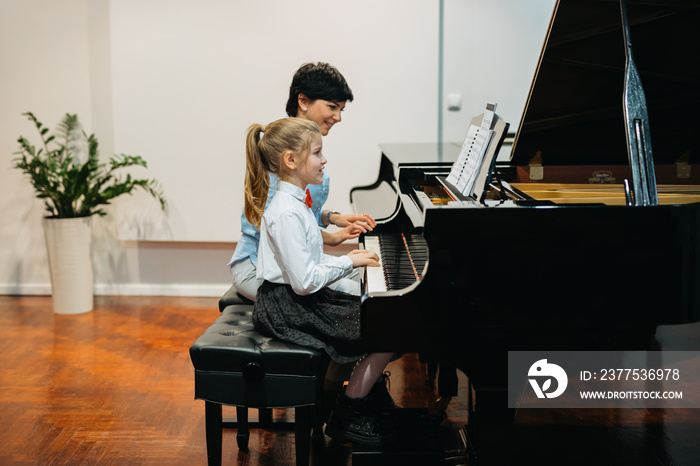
(400, 268)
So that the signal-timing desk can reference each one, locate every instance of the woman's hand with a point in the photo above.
(351, 231)
(364, 220)
(362, 257)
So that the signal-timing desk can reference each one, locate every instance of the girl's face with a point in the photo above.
(325, 113)
(310, 171)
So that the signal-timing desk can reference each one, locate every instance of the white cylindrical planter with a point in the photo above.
(70, 265)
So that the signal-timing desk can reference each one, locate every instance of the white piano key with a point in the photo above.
(375, 275)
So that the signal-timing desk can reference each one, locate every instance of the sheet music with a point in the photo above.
(466, 168)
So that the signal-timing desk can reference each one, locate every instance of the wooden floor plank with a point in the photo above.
(115, 386)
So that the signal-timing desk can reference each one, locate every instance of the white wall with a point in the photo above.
(44, 67)
(190, 77)
(491, 53)
(178, 81)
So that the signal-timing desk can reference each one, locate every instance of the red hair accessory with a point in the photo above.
(309, 201)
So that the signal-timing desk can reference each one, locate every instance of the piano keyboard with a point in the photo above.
(402, 258)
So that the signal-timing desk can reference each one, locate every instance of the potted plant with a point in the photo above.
(66, 173)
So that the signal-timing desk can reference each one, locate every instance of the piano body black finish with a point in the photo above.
(531, 277)
(541, 275)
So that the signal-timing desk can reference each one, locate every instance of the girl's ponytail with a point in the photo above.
(264, 155)
(257, 178)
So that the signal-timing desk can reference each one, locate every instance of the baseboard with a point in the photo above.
(27, 289)
(130, 289)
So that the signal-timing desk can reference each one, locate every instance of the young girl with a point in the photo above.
(294, 302)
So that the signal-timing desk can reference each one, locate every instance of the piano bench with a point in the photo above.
(231, 297)
(235, 365)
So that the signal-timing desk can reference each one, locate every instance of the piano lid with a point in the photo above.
(574, 113)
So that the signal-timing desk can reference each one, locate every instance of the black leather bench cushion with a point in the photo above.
(231, 344)
(231, 297)
(237, 365)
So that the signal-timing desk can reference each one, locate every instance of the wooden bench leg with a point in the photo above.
(243, 433)
(213, 425)
(302, 433)
(265, 416)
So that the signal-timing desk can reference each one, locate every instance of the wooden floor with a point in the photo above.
(115, 386)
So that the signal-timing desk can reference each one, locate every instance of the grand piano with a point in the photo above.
(555, 258)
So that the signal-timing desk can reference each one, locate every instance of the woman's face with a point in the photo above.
(325, 113)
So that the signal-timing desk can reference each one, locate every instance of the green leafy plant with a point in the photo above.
(67, 174)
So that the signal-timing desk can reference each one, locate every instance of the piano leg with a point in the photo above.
(489, 429)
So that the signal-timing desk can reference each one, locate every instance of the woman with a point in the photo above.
(318, 93)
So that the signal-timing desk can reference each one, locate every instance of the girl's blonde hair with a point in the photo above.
(264, 156)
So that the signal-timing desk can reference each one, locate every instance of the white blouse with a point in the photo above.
(291, 245)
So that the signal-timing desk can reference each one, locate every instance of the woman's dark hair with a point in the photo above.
(317, 81)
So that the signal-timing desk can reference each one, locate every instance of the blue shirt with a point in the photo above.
(247, 247)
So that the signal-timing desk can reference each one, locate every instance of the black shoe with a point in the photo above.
(378, 399)
(441, 404)
(350, 421)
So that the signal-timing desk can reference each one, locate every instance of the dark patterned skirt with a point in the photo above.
(327, 319)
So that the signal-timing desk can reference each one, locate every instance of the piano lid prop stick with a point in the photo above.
(637, 123)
